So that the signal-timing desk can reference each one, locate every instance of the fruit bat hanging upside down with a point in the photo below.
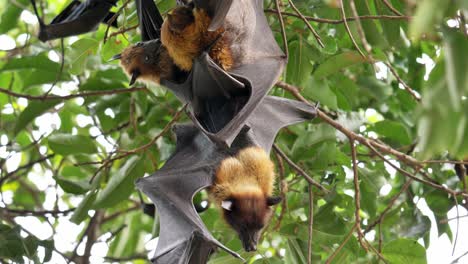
(239, 180)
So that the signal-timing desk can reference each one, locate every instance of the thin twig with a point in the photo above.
(340, 21)
(458, 226)
(299, 169)
(283, 30)
(316, 35)
(393, 9)
(123, 30)
(311, 223)
(26, 166)
(357, 194)
(391, 203)
(457, 259)
(283, 186)
(164, 131)
(332, 256)
(72, 96)
(113, 18)
(37, 213)
(343, 16)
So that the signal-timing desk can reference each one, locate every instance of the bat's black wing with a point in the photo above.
(275, 113)
(150, 19)
(221, 102)
(77, 18)
(183, 237)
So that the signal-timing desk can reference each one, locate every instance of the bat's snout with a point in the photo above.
(250, 246)
(116, 57)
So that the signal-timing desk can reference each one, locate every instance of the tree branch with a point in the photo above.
(72, 96)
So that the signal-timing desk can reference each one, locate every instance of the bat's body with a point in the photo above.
(243, 188)
(77, 18)
(185, 34)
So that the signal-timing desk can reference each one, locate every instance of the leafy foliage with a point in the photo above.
(73, 159)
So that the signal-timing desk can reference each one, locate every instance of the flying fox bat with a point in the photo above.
(220, 100)
(148, 60)
(151, 61)
(77, 18)
(239, 178)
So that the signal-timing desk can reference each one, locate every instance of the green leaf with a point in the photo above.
(121, 185)
(33, 110)
(299, 66)
(79, 53)
(393, 130)
(337, 63)
(40, 62)
(74, 187)
(428, 13)
(456, 63)
(66, 144)
(294, 254)
(81, 212)
(11, 245)
(319, 91)
(403, 251)
(10, 16)
(113, 47)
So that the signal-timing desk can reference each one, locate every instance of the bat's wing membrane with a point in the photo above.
(184, 238)
(150, 19)
(77, 18)
(70, 12)
(275, 113)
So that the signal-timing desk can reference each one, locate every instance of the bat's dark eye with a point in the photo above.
(139, 44)
(146, 58)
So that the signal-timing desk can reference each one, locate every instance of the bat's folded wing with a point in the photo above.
(77, 18)
(150, 19)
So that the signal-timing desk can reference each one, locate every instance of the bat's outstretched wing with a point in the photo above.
(150, 19)
(221, 102)
(183, 237)
(77, 18)
(275, 113)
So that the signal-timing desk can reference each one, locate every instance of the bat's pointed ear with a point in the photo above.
(227, 205)
(116, 57)
(273, 200)
(135, 75)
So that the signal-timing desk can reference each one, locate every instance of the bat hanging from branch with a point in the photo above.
(239, 179)
(220, 57)
(77, 18)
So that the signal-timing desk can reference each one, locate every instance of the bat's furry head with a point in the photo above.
(243, 189)
(148, 61)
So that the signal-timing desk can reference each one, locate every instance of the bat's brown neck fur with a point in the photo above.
(185, 35)
(133, 60)
(250, 172)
